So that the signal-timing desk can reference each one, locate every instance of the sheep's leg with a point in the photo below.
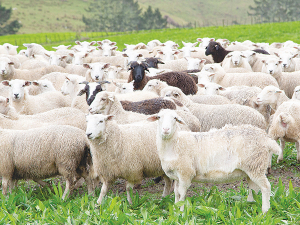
(252, 186)
(265, 187)
(182, 189)
(128, 186)
(177, 196)
(5, 182)
(40, 182)
(167, 186)
(103, 192)
(298, 151)
(282, 145)
(269, 170)
(12, 184)
(67, 189)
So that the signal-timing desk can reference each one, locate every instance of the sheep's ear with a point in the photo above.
(113, 43)
(161, 62)
(275, 53)
(78, 42)
(295, 55)
(160, 52)
(86, 54)
(106, 65)
(7, 100)
(201, 85)
(179, 120)
(36, 83)
(71, 54)
(263, 61)
(153, 118)
(64, 56)
(5, 83)
(99, 47)
(67, 78)
(243, 56)
(92, 43)
(99, 42)
(228, 56)
(199, 39)
(86, 65)
(280, 61)
(202, 60)
(114, 48)
(217, 47)
(124, 55)
(47, 55)
(81, 92)
(194, 44)
(109, 117)
(11, 63)
(27, 83)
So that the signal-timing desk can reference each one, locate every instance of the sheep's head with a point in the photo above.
(16, 88)
(5, 66)
(91, 90)
(102, 103)
(269, 95)
(153, 62)
(166, 122)
(212, 48)
(96, 126)
(138, 70)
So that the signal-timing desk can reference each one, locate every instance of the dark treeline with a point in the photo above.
(6, 27)
(120, 16)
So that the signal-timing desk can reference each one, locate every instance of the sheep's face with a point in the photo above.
(272, 66)
(78, 57)
(138, 71)
(168, 54)
(212, 48)
(194, 63)
(124, 88)
(236, 58)
(102, 103)
(286, 59)
(204, 42)
(113, 71)
(4, 103)
(153, 62)
(96, 126)
(55, 59)
(97, 70)
(166, 122)
(296, 94)
(44, 85)
(5, 67)
(172, 93)
(269, 95)
(16, 89)
(211, 88)
(107, 49)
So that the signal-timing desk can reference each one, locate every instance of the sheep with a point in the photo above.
(35, 49)
(210, 99)
(287, 81)
(76, 69)
(285, 125)
(222, 155)
(223, 42)
(91, 89)
(31, 104)
(182, 80)
(195, 63)
(217, 116)
(174, 65)
(217, 51)
(153, 62)
(296, 93)
(11, 49)
(83, 46)
(204, 42)
(40, 86)
(236, 59)
(8, 72)
(272, 96)
(108, 103)
(236, 79)
(45, 152)
(34, 63)
(107, 50)
(155, 85)
(96, 71)
(152, 44)
(79, 57)
(211, 88)
(289, 63)
(167, 54)
(64, 51)
(136, 156)
(116, 72)
(57, 59)
(16, 60)
(58, 79)
(123, 88)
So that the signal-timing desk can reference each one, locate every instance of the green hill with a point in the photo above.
(66, 15)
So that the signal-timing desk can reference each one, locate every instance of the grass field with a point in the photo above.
(31, 204)
(66, 16)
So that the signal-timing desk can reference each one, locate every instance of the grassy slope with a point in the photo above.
(65, 15)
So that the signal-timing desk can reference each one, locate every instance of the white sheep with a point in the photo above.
(31, 104)
(64, 50)
(217, 116)
(296, 94)
(40, 86)
(272, 96)
(131, 147)
(216, 156)
(35, 49)
(123, 88)
(195, 63)
(57, 59)
(289, 61)
(237, 79)
(96, 71)
(167, 54)
(287, 81)
(204, 42)
(11, 49)
(155, 85)
(285, 125)
(174, 65)
(18, 61)
(236, 59)
(42, 153)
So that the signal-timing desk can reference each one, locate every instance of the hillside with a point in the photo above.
(66, 15)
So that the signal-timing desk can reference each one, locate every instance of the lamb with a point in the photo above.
(272, 96)
(287, 81)
(217, 51)
(181, 80)
(237, 79)
(187, 157)
(285, 125)
(43, 153)
(217, 116)
(136, 156)
(236, 59)
(108, 103)
(32, 104)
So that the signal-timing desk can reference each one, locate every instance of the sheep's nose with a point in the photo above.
(89, 135)
(166, 129)
(16, 95)
(271, 71)
(284, 65)
(96, 77)
(3, 71)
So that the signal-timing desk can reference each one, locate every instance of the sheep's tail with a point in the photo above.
(274, 147)
(284, 119)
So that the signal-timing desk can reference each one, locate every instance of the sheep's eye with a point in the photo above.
(124, 88)
(205, 87)
(45, 86)
(206, 47)
(276, 64)
(103, 99)
(23, 85)
(176, 95)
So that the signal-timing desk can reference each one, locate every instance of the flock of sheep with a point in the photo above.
(206, 113)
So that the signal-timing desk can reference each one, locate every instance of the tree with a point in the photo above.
(5, 26)
(276, 10)
(121, 15)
